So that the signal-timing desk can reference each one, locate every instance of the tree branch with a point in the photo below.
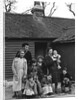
(70, 8)
(8, 5)
(52, 11)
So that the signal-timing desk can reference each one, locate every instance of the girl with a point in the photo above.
(19, 68)
(40, 67)
(47, 85)
(30, 87)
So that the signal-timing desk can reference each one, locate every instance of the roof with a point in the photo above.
(69, 35)
(29, 26)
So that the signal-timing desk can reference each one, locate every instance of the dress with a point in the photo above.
(30, 88)
(19, 68)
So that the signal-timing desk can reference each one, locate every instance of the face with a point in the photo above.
(34, 64)
(21, 54)
(35, 78)
(64, 72)
(31, 79)
(26, 47)
(40, 62)
(55, 52)
(50, 51)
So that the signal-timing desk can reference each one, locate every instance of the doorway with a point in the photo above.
(40, 48)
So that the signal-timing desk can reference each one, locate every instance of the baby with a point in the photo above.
(56, 57)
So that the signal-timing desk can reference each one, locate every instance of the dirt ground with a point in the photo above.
(8, 94)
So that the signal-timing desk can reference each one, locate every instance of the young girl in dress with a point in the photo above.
(19, 68)
(30, 90)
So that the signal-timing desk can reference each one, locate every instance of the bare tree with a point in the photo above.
(70, 8)
(27, 11)
(53, 9)
(9, 4)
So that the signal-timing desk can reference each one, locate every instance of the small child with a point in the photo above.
(40, 67)
(65, 81)
(34, 67)
(39, 88)
(46, 85)
(49, 82)
(56, 57)
(30, 87)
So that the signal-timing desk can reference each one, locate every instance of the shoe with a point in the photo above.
(14, 96)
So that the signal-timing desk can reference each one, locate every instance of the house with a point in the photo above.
(40, 32)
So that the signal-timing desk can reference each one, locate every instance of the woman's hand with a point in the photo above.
(15, 74)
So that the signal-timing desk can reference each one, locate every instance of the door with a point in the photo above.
(40, 48)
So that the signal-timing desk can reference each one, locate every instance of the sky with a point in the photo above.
(62, 9)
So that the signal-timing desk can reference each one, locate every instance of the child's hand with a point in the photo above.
(24, 76)
(59, 67)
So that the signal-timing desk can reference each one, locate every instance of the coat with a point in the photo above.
(52, 67)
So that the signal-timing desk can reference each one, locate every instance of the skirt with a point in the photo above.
(17, 81)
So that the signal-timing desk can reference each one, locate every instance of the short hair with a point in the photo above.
(33, 61)
(23, 45)
(65, 68)
(30, 75)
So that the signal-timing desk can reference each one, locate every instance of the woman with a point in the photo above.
(19, 68)
(56, 69)
(51, 67)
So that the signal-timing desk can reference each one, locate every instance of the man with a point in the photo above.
(27, 55)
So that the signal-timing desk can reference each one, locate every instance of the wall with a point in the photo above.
(67, 52)
(11, 47)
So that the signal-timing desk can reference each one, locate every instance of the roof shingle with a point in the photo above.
(21, 26)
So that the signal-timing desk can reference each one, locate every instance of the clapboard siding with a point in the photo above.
(11, 47)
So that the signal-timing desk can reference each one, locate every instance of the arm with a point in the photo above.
(35, 89)
(13, 67)
(25, 68)
(30, 58)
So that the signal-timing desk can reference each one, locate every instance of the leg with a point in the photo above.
(15, 95)
(56, 87)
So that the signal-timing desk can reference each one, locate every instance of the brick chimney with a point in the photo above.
(38, 9)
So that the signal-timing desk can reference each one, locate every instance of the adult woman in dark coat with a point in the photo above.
(51, 67)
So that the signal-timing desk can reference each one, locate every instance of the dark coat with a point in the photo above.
(53, 68)
(28, 56)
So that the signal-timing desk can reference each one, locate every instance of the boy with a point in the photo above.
(65, 81)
